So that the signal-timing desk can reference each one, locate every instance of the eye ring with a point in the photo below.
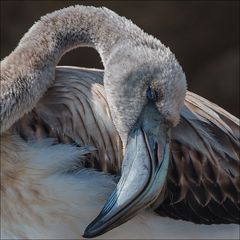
(151, 94)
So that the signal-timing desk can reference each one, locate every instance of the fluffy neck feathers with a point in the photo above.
(30, 69)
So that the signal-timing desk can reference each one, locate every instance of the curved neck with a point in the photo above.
(30, 69)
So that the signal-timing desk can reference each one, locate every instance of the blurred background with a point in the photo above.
(204, 35)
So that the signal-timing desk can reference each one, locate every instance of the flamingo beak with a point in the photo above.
(143, 176)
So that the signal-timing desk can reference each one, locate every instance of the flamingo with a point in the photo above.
(131, 139)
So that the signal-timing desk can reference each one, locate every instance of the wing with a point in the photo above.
(74, 110)
(203, 178)
(203, 182)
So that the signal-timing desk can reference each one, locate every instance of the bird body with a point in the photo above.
(59, 206)
(43, 182)
(62, 159)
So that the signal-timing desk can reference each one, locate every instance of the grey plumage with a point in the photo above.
(77, 110)
(30, 69)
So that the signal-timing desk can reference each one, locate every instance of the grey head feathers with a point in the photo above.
(136, 70)
(133, 61)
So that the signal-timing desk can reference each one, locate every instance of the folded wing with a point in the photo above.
(203, 183)
(74, 110)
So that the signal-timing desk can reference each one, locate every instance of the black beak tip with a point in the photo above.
(93, 230)
(88, 233)
(85, 235)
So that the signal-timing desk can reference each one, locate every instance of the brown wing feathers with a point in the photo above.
(203, 180)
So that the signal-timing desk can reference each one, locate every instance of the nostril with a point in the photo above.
(151, 94)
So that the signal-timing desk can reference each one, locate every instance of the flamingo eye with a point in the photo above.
(151, 94)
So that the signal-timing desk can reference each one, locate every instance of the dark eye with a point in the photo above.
(151, 94)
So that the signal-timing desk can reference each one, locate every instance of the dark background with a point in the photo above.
(204, 35)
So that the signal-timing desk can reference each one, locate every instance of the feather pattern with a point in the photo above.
(75, 110)
(203, 178)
